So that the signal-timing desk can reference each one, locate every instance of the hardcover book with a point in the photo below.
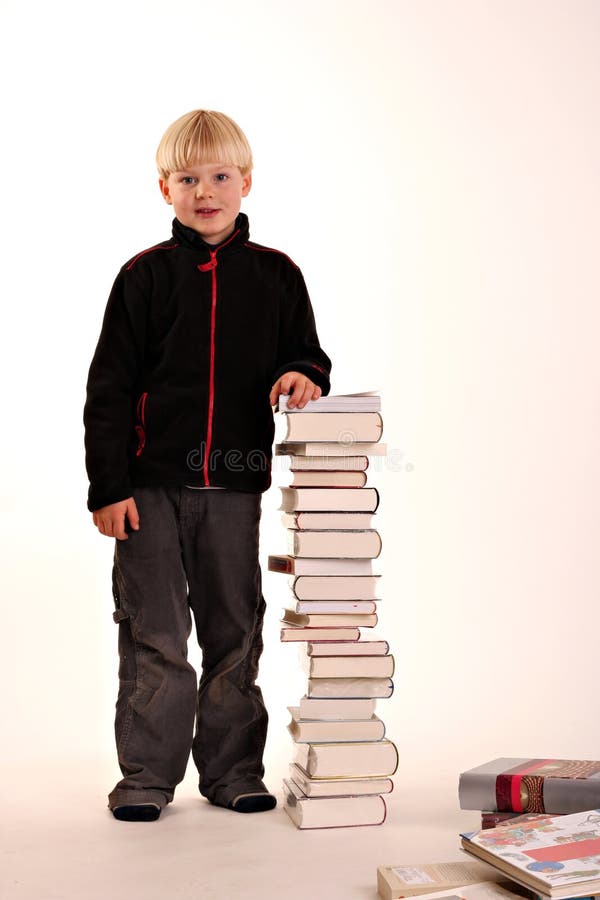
(424, 878)
(357, 760)
(338, 544)
(332, 463)
(556, 856)
(334, 587)
(329, 709)
(298, 633)
(291, 565)
(369, 401)
(348, 666)
(366, 646)
(348, 447)
(329, 620)
(531, 785)
(328, 479)
(331, 812)
(327, 521)
(318, 731)
(329, 499)
(350, 687)
(338, 787)
(334, 427)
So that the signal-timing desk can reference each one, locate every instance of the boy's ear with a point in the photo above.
(164, 189)
(246, 184)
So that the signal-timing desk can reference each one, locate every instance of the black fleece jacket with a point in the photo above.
(193, 338)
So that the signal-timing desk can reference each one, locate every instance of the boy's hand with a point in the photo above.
(303, 390)
(110, 520)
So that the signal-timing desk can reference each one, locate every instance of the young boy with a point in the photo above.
(201, 334)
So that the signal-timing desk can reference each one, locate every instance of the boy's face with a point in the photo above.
(207, 198)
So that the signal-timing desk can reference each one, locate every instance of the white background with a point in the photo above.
(433, 169)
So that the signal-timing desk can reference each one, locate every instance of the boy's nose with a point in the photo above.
(203, 190)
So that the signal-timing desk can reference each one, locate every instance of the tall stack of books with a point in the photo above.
(343, 761)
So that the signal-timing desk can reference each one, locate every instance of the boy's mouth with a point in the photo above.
(206, 211)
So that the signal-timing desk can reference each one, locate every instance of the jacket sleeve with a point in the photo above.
(298, 346)
(114, 373)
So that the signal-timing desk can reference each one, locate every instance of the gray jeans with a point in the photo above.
(195, 551)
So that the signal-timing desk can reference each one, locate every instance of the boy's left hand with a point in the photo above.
(301, 388)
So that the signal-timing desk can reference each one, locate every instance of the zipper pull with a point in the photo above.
(212, 264)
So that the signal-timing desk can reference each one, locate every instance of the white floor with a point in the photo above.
(59, 841)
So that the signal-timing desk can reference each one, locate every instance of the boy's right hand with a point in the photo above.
(110, 520)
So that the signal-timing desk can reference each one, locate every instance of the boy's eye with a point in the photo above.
(188, 179)
(221, 177)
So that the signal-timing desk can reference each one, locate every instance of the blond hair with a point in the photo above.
(203, 136)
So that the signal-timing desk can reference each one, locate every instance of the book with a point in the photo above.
(365, 646)
(297, 633)
(328, 479)
(333, 427)
(292, 565)
(356, 760)
(491, 819)
(531, 785)
(327, 521)
(331, 812)
(482, 890)
(339, 544)
(319, 731)
(381, 688)
(329, 499)
(336, 607)
(334, 587)
(364, 402)
(329, 620)
(348, 666)
(411, 880)
(331, 709)
(339, 787)
(330, 448)
(329, 463)
(555, 856)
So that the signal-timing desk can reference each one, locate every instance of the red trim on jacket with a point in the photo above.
(252, 246)
(131, 264)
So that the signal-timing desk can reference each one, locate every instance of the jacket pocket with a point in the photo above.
(140, 427)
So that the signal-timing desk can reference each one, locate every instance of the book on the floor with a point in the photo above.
(329, 463)
(339, 544)
(413, 879)
(331, 812)
(348, 760)
(366, 646)
(334, 587)
(333, 606)
(312, 633)
(328, 479)
(380, 688)
(292, 565)
(328, 709)
(347, 447)
(329, 499)
(368, 401)
(492, 819)
(348, 666)
(333, 427)
(555, 856)
(482, 890)
(329, 620)
(338, 787)
(531, 785)
(319, 731)
(327, 521)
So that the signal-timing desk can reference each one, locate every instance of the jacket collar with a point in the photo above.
(187, 237)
